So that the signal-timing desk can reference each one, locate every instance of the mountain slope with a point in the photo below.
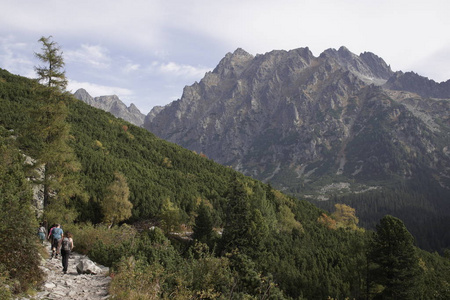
(318, 127)
(290, 118)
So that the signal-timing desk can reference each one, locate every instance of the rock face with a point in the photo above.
(301, 122)
(36, 184)
(113, 105)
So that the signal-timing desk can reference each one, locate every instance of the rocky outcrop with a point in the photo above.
(367, 66)
(36, 179)
(297, 120)
(420, 85)
(113, 105)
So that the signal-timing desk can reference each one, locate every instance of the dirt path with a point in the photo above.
(72, 285)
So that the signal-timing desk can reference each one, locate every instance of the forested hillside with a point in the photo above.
(249, 241)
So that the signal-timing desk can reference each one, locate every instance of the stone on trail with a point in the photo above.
(87, 266)
(49, 285)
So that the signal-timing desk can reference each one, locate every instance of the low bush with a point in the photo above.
(87, 236)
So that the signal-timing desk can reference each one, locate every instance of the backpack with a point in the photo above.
(66, 244)
(56, 233)
(41, 229)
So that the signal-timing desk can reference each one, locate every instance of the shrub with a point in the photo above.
(135, 279)
(86, 236)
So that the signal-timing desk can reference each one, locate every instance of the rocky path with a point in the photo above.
(72, 285)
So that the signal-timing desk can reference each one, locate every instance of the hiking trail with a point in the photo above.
(72, 285)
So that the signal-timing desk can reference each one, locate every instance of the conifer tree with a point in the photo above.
(53, 73)
(245, 227)
(395, 258)
(235, 232)
(203, 228)
(49, 129)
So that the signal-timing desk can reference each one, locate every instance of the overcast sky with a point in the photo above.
(146, 51)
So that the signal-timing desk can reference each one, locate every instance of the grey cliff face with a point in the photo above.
(292, 119)
(113, 105)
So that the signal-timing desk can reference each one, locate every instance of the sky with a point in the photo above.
(147, 51)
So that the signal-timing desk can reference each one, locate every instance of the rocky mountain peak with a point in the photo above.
(377, 65)
(241, 52)
(84, 96)
(233, 63)
(367, 66)
(114, 105)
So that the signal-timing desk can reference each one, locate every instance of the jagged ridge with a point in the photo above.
(291, 118)
(113, 105)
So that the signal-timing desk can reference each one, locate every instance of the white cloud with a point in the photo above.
(130, 67)
(179, 70)
(93, 55)
(16, 57)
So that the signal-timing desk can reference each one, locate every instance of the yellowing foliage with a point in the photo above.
(345, 216)
(326, 220)
(116, 207)
(287, 220)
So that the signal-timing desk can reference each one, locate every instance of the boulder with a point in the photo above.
(86, 266)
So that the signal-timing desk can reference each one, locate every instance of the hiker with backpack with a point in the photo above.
(50, 237)
(42, 233)
(56, 234)
(66, 247)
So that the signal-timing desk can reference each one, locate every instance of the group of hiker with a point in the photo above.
(61, 243)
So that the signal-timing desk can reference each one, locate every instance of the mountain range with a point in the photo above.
(333, 122)
(319, 127)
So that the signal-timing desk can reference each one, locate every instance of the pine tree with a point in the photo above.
(203, 228)
(245, 227)
(235, 232)
(396, 262)
(53, 74)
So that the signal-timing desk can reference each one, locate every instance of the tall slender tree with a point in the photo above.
(52, 73)
(49, 128)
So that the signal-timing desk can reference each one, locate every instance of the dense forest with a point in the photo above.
(248, 240)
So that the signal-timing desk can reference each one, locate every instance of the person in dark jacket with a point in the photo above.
(66, 248)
